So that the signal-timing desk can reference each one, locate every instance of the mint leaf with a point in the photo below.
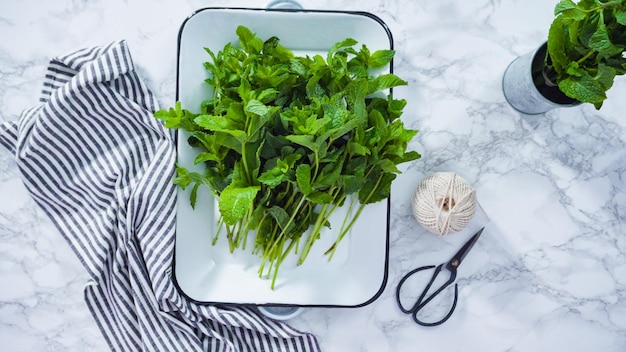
(388, 166)
(235, 113)
(351, 183)
(380, 58)
(234, 202)
(217, 123)
(272, 177)
(256, 107)
(568, 10)
(329, 175)
(306, 141)
(605, 76)
(270, 44)
(267, 95)
(410, 156)
(171, 120)
(573, 69)
(355, 97)
(588, 4)
(557, 38)
(343, 129)
(176, 117)
(620, 16)
(584, 88)
(244, 90)
(336, 112)
(303, 178)
(564, 5)
(280, 215)
(182, 179)
(320, 198)
(185, 178)
(358, 149)
(383, 82)
(249, 42)
(194, 195)
(342, 44)
(279, 173)
(376, 188)
(220, 124)
(205, 156)
(395, 108)
(601, 42)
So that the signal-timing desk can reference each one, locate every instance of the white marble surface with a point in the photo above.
(549, 273)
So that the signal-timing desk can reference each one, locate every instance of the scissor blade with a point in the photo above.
(458, 257)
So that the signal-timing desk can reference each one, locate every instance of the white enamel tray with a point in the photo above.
(205, 273)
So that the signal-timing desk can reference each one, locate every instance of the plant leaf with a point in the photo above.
(280, 215)
(564, 5)
(272, 177)
(303, 178)
(342, 44)
(385, 81)
(355, 97)
(620, 16)
(410, 156)
(182, 177)
(358, 149)
(376, 188)
(249, 42)
(194, 195)
(557, 37)
(304, 140)
(270, 44)
(588, 4)
(380, 58)
(606, 76)
(330, 174)
(601, 42)
(256, 107)
(388, 166)
(267, 95)
(220, 124)
(351, 183)
(568, 9)
(320, 197)
(205, 156)
(584, 88)
(234, 202)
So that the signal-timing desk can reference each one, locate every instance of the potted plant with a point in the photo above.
(585, 51)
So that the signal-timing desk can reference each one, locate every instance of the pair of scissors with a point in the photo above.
(451, 266)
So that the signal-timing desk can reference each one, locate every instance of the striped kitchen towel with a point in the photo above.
(97, 162)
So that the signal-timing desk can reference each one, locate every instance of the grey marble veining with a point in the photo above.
(548, 274)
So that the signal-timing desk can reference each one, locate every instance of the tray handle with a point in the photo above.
(284, 4)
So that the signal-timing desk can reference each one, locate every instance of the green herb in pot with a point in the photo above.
(586, 47)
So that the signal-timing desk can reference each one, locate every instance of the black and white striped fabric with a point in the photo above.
(97, 162)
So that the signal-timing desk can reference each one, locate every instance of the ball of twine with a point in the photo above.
(444, 203)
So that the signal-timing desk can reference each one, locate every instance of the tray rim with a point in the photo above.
(385, 278)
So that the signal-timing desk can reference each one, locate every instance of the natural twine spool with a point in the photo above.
(444, 203)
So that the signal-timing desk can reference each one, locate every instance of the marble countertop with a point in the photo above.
(548, 274)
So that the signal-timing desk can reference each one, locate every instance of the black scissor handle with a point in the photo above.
(408, 275)
(456, 296)
(421, 302)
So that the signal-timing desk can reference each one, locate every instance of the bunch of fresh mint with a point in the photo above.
(288, 140)
(586, 47)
